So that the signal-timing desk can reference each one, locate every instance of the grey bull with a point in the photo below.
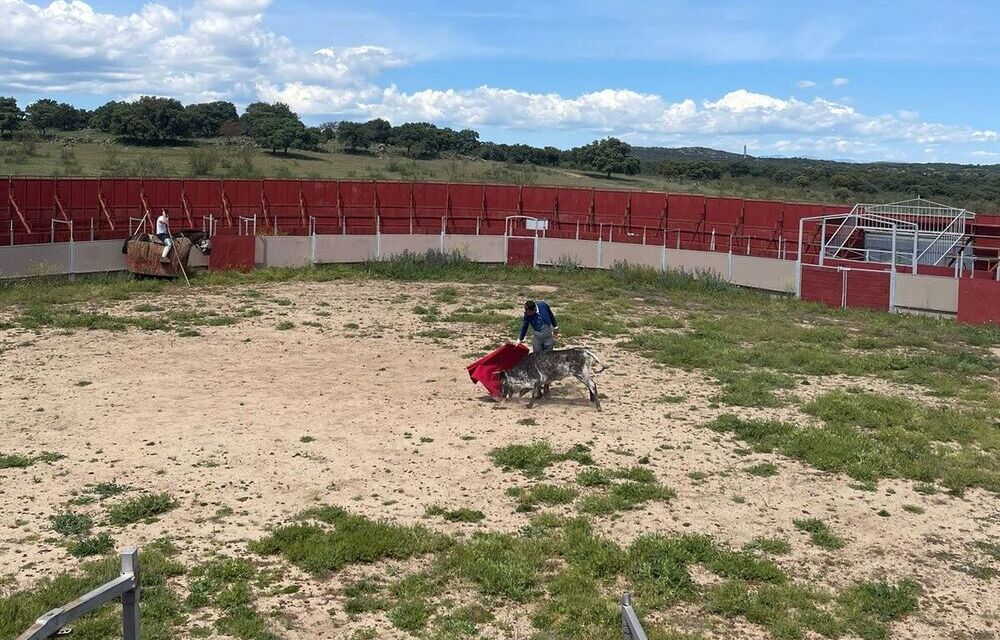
(538, 370)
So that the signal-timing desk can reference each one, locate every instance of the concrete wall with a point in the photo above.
(477, 248)
(697, 262)
(636, 255)
(393, 245)
(282, 251)
(924, 293)
(551, 251)
(763, 273)
(927, 293)
(343, 248)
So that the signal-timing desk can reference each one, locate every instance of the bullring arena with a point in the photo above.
(798, 438)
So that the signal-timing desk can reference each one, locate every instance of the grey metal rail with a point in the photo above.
(631, 627)
(124, 587)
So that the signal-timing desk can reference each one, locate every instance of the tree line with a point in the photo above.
(156, 120)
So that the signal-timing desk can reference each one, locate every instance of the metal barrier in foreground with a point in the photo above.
(125, 587)
(631, 628)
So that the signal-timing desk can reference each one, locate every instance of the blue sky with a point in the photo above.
(913, 81)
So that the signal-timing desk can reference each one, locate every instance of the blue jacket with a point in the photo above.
(543, 316)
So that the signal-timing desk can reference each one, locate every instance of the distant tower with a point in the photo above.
(744, 151)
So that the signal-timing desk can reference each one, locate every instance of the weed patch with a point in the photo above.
(819, 533)
(140, 508)
(532, 459)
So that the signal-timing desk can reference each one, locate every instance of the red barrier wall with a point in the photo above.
(232, 253)
(979, 301)
(868, 290)
(822, 284)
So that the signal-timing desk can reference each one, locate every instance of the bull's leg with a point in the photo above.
(591, 387)
(536, 394)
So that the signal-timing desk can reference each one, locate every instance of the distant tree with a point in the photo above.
(149, 119)
(466, 141)
(11, 116)
(419, 138)
(328, 130)
(44, 114)
(104, 116)
(378, 131)
(311, 138)
(273, 126)
(230, 129)
(352, 135)
(608, 156)
(208, 117)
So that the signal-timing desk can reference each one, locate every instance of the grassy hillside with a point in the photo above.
(95, 154)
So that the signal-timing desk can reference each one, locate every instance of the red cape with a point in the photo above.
(485, 369)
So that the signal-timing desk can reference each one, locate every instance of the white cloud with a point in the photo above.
(985, 154)
(220, 49)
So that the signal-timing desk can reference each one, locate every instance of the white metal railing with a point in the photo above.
(244, 224)
(125, 587)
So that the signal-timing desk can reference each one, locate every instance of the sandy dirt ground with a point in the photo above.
(218, 420)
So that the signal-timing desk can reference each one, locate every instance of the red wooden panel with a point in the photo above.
(574, 204)
(762, 214)
(868, 290)
(723, 212)
(684, 207)
(394, 200)
(978, 301)
(795, 211)
(232, 253)
(647, 209)
(501, 201)
(521, 252)
(467, 200)
(820, 284)
(431, 199)
(539, 202)
(610, 206)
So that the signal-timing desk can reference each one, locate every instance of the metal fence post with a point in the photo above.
(130, 599)
(631, 628)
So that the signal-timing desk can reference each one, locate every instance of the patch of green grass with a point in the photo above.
(661, 322)
(72, 524)
(161, 608)
(763, 470)
(547, 494)
(912, 508)
(98, 545)
(352, 539)
(436, 333)
(773, 546)
(107, 489)
(285, 325)
(624, 496)
(15, 461)
(232, 586)
(532, 459)
(819, 533)
(754, 388)
(350, 326)
(307, 439)
(873, 437)
(457, 515)
(669, 399)
(445, 295)
(141, 508)
(500, 565)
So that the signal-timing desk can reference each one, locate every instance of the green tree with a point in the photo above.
(608, 156)
(207, 118)
(230, 129)
(273, 126)
(44, 114)
(378, 131)
(104, 117)
(11, 116)
(149, 119)
(352, 135)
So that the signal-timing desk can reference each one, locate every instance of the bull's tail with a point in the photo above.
(594, 360)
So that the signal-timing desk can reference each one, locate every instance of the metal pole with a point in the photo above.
(72, 254)
(52, 231)
(843, 288)
(12, 233)
(798, 265)
(822, 241)
(443, 224)
(130, 599)
(914, 251)
(91, 229)
(378, 237)
(892, 272)
(577, 229)
(712, 245)
(678, 238)
(600, 248)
